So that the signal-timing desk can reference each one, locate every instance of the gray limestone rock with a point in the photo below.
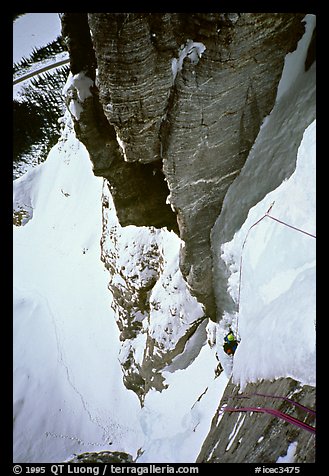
(177, 104)
(154, 330)
(217, 107)
(238, 437)
(102, 457)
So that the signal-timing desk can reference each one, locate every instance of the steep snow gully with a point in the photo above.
(71, 255)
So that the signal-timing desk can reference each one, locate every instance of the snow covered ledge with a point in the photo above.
(283, 155)
(277, 280)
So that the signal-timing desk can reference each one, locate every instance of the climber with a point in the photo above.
(230, 343)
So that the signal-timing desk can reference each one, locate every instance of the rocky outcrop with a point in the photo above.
(177, 103)
(102, 457)
(223, 99)
(238, 437)
(271, 161)
(155, 312)
(175, 106)
(139, 192)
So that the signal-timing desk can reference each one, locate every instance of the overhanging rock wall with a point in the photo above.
(177, 103)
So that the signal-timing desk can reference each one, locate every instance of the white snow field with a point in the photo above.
(275, 281)
(271, 265)
(67, 377)
(68, 391)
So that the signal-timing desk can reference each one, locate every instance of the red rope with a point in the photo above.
(243, 245)
(277, 413)
(296, 404)
(290, 226)
(270, 411)
(266, 214)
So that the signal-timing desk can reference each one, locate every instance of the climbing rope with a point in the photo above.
(272, 411)
(266, 215)
(267, 395)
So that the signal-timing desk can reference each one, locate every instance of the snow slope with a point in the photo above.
(68, 390)
(276, 288)
(270, 298)
(177, 420)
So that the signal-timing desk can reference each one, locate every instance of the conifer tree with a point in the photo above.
(39, 104)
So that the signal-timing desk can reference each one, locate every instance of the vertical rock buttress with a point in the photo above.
(176, 104)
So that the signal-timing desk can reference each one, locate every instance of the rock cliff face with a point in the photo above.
(177, 103)
(258, 437)
(155, 312)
